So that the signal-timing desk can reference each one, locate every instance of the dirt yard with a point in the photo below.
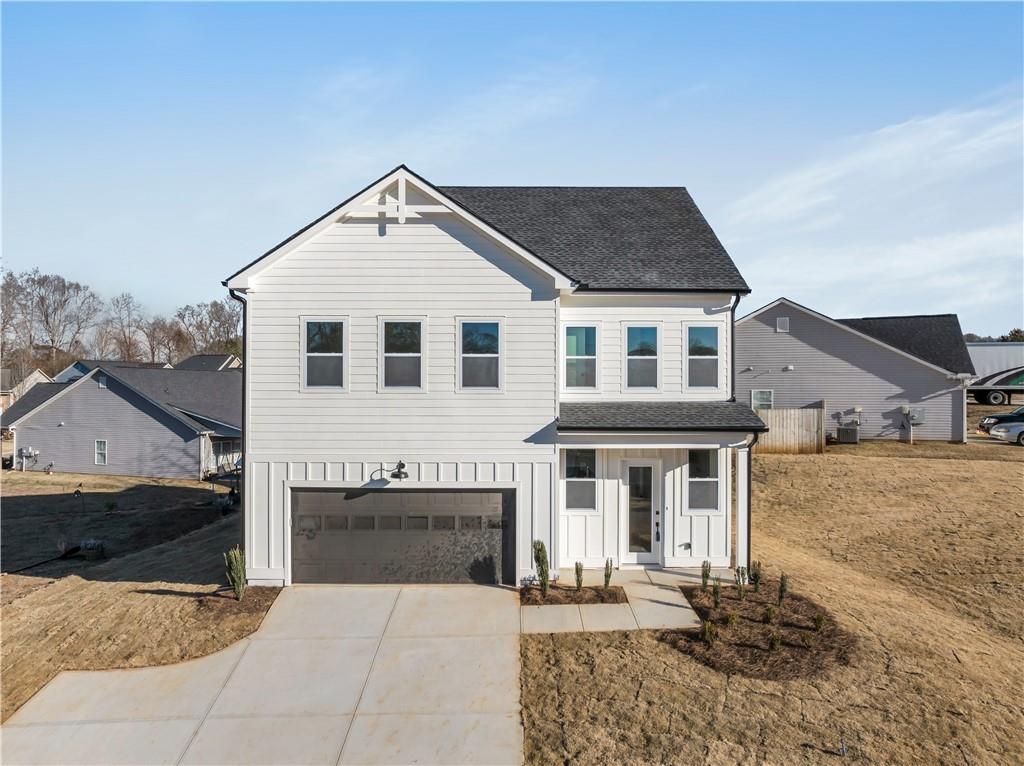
(161, 597)
(917, 555)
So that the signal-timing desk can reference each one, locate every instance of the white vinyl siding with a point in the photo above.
(100, 452)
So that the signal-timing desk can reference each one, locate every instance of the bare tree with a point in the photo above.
(103, 341)
(164, 339)
(125, 316)
(61, 309)
(212, 328)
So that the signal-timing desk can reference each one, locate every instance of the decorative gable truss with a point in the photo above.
(398, 197)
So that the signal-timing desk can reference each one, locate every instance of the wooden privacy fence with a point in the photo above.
(794, 431)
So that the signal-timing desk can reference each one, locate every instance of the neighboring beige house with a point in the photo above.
(11, 389)
(437, 377)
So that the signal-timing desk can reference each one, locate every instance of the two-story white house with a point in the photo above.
(436, 377)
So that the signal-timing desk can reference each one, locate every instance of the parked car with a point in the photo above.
(1016, 416)
(1009, 432)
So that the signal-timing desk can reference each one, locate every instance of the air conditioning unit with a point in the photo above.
(848, 434)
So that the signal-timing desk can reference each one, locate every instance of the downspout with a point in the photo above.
(245, 388)
(732, 348)
(750, 496)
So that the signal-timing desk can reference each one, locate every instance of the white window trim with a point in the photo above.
(686, 510)
(778, 324)
(96, 452)
(101, 381)
(598, 481)
(625, 357)
(762, 391)
(459, 321)
(721, 327)
(346, 369)
(424, 344)
(565, 358)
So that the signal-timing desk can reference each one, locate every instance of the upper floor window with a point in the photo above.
(581, 479)
(324, 351)
(480, 354)
(703, 480)
(702, 362)
(642, 356)
(762, 399)
(101, 380)
(403, 353)
(581, 356)
(781, 324)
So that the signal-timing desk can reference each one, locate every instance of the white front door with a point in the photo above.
(643, 529)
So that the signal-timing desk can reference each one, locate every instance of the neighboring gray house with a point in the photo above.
(75, 370)
(210, 362)
(12, 387)
(788, 355)
(133, 421)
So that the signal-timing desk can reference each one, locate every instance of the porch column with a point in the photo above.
(743, 507)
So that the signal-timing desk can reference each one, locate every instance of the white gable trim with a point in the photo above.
(359, 203)
(841, 326)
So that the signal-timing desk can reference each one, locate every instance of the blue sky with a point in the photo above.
(864, 159)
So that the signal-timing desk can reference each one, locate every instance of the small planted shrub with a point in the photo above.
(730, 620)
(234, 559)
(769, 615)
(819, 621)
(540, 559)
(716, 592)
(708, 632)
(740, 577)
(111, 506)
(774, 642)
(579, 576)
(607, 573)
(755, 576)
(783, 587)
(705, 574)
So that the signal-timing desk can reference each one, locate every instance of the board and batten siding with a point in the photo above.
(847, 371)
(671, 314)
(437, 269)
(142, 439)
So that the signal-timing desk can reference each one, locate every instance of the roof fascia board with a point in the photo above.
(584, 290)
(240, 280)
(841, 326)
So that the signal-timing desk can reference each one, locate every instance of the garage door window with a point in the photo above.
(391, 522)
(336, 523)
(363, 523)
(417, 523)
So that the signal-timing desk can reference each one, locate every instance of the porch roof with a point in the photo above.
(658, 416)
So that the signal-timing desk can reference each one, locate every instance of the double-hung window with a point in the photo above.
(581, 480)
(402, 340)
(702, 361)
(100, 452)
(762, 399)
(581, 356)
(480, 354)
(642, 359)
(324, 351)
(703, 480)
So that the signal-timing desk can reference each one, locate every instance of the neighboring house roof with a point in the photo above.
(207, 362)
(590, 238)
(936, 338)
(658, 416)
(8, 382)
(108, 363)
(609, 237)
(35, 396)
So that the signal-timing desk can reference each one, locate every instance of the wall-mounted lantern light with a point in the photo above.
(399, 472)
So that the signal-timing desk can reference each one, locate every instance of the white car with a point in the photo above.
(1008, 432)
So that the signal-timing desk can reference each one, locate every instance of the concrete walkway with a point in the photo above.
(335, 675)
(655, 602)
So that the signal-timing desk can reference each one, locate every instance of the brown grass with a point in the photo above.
(157, 606)
(529, 595)
(985, 448)
(920, 559)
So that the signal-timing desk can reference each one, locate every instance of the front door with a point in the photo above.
(644, 529)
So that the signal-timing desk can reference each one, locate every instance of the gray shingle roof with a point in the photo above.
(216, 395)
(935, 338)
(204, 362)
(31, 399)
(610, 238)
(658, 416)
(110, 363)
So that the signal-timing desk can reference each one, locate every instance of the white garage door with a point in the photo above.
(393, 536)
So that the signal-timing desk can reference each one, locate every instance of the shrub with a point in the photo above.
(755, 575)
(579, 576)
(769, 614)
(705, 574)
(819, 621)
(607, 573)
(740, 577)
(708, 632)
(774, 642)
(540, 558)
(783, 587)
(235, 561)
(730, 619)
(716, 592)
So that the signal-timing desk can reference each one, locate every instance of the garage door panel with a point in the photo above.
(394, 537)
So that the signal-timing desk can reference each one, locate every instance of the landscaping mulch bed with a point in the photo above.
(809, 640)
(529, 595)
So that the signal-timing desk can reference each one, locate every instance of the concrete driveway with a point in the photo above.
(335, 675)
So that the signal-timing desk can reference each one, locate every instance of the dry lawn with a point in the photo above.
(919, 557)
